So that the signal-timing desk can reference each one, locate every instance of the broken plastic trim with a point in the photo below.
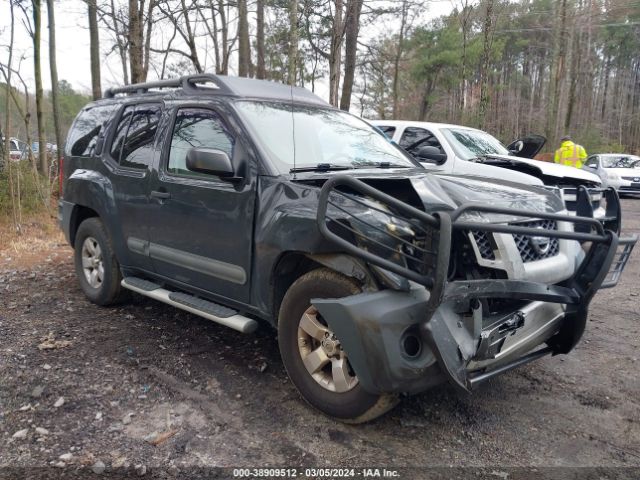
(576, 292)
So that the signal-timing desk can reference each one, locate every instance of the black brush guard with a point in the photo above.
(602, 266)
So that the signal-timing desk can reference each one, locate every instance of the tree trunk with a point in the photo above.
(189, 37)
(260, 71)
(573, 80)
(293, 42)
(335, 56)
(53, 66)
(147, 40)
(244, 48)
(352, 29)
(94, 49)
(557, 74)
(486, 57)
(399, 51)
(42, 144)
(224, 30)
(134, 37)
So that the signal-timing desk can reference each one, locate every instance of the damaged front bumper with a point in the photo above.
(406, 340)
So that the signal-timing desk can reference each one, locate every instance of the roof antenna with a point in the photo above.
(293, 128)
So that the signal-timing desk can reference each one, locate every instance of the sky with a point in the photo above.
(72, 38)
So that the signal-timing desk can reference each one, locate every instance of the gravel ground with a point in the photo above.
(144, 389)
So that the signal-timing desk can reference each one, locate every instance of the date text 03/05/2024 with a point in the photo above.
(323, 473)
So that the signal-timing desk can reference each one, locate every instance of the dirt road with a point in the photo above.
(154, 391)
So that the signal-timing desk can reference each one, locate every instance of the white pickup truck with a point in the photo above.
(469, 151)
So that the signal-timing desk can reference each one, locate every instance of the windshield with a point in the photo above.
(469, 144)
(621, 162)
(322, 136)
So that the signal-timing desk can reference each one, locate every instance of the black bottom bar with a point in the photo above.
(476, 380)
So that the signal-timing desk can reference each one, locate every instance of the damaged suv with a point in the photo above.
(241, 200)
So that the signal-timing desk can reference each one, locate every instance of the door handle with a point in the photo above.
(160, 195)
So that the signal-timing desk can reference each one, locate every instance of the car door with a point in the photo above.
(129, 156)
(201, 226)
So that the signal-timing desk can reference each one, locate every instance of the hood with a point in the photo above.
(624, 172)
(551, 173)
(437, 191)
(528, 146)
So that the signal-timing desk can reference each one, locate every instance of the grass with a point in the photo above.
(39, 233)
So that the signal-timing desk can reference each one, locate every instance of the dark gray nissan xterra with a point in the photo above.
(242, 200)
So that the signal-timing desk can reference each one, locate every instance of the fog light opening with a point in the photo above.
(411, 345)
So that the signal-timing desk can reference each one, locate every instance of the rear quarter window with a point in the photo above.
(89, 124)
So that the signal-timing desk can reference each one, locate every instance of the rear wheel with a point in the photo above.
(97, 269)
(313, 356)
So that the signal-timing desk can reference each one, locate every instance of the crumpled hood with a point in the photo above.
(439, 191)
(455, 190)
(545, 168)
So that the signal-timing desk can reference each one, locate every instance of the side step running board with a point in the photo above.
(198, 306)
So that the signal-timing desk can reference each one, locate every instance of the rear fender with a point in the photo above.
(92, 189)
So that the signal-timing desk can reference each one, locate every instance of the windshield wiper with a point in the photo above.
(381, 165)
(320, 167)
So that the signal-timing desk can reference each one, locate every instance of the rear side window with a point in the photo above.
(195, 127)
(120, 133)
(388, 130)
(89, 124)
(133, 141)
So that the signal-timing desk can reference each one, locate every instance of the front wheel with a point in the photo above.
(313, 356)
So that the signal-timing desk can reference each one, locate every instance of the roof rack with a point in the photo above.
(187, 82)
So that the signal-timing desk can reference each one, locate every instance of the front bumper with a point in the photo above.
(627, 185)
(406, 341)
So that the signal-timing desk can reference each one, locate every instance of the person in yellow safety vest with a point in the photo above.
(570, 154)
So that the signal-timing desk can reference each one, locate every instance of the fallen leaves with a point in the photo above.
(50, 343)
(156, 439)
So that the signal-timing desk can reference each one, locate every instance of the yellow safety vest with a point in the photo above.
(570, 154)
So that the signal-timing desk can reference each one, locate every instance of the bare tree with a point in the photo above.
(94, 48)
(352, 29)
(260, 67)
(37, 73)
(53, 67)
(136, 64)
(335, 57)
(15, 207)
(244, 47)
(293, 42)
(404, 12)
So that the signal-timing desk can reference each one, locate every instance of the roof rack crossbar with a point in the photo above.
(187, 82)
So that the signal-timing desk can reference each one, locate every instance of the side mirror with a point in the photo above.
(516, 147)
(431, 154)
(210, 161)
(592, 167)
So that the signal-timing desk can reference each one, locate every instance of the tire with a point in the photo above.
(100, 277)
(344, 401)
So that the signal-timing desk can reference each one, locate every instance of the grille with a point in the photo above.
(633, 179)
(533, 248)
(484, 245)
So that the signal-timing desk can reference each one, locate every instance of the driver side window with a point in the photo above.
(193, 128)
(414, 137)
